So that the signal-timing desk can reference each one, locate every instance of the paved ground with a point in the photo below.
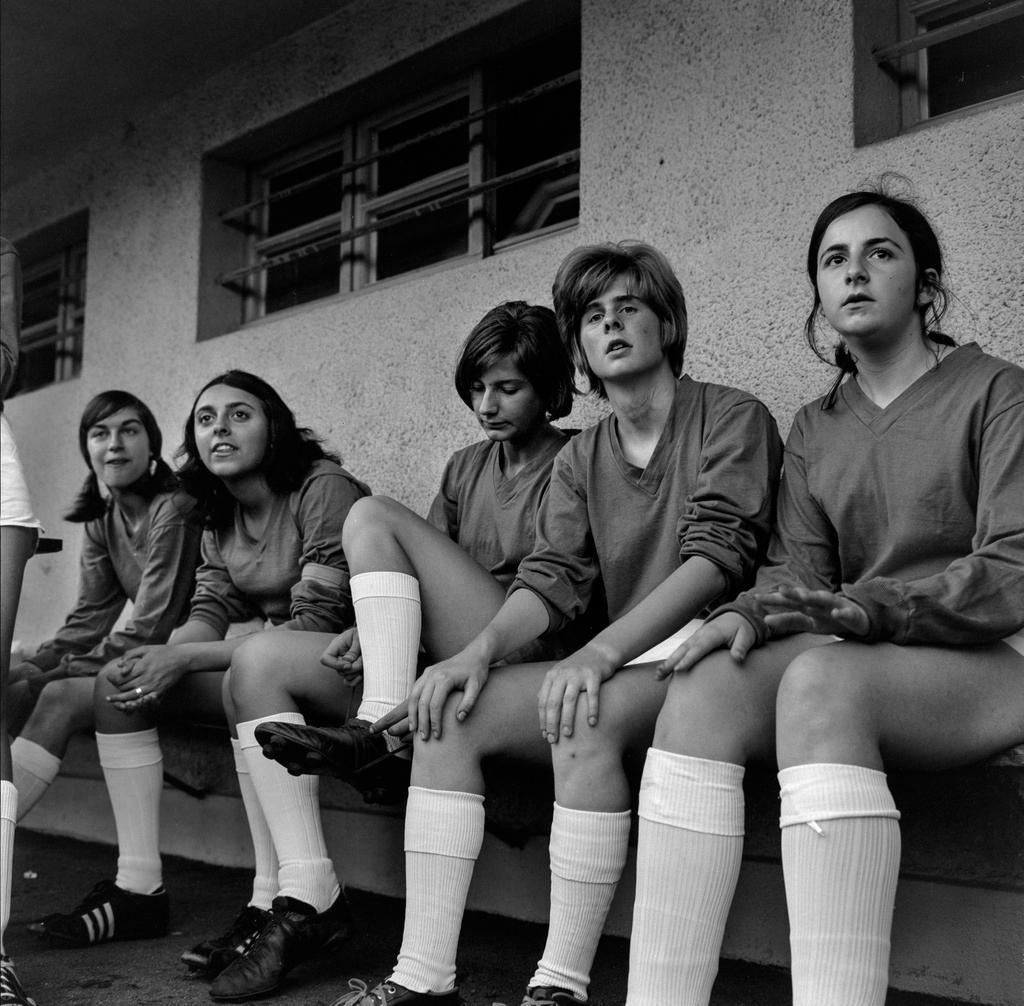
(496, 955)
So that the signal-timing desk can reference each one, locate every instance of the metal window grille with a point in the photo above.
(446, 176)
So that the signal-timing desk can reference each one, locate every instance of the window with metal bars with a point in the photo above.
(920, 59)
(53, 311)
(460, 170)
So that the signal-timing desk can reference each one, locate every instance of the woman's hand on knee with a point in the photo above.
(729, 631)
(797, 609)
(580, 674)
(144, 675)
(344, 654)
(432, 690)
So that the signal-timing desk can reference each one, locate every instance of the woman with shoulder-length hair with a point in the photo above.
(273, 502)
(884, 632)
(140, 544)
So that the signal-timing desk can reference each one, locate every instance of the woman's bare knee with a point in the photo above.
(823, 708)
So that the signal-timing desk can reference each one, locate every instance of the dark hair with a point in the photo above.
(89, 504)
(587, 271)
(927, 255)
(291, 450)
(528, 335)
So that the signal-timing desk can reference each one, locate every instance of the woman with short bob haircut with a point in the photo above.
(274, 502)
(666, 505)
(884, 631)
(415, 582)
(141, 544)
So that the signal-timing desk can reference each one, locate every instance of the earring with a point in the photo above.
(152, 466)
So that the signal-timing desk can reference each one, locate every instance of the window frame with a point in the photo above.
(63, 250)
(891, 78)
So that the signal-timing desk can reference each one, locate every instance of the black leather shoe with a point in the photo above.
(293, 934)
(214, 955)
(338, 751)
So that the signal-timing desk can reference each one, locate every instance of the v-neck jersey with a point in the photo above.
(707, 490)
(489, 515)
(915, 510)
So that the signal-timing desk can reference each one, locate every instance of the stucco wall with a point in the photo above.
(715, 131)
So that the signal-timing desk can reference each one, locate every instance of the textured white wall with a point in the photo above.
(714, 131)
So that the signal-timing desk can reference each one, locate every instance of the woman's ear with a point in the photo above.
(927, 287)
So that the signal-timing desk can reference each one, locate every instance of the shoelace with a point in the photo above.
(359, 993)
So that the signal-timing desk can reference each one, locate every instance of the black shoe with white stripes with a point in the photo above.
(108, 913)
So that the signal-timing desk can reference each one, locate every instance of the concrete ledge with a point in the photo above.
(959, 918)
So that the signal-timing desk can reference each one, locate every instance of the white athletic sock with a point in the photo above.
(588, 854)
(264, 882)
(387, 607)
(688, 861)
(133, 767)
(840, 858)
(8, 816)
(291, 807)
(33, 769)
(444, 831)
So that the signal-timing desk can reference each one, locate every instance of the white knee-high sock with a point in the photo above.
(264, 882)
(688, 861)
(840, 858)
(387, 607)
(444, 831)
(8, 816)
(588, 854)
(291, 807)
(133, 767)
(33, 769)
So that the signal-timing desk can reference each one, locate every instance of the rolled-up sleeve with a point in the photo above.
(321, 601)
(727, 518)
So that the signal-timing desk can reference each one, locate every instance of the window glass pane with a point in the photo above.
(41, 297)
(310, 204)
(303, 279)
(976, 67)
(422, 241)
(535, 130)
(428, 157)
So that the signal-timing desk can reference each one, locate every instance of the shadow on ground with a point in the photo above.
(496, 957)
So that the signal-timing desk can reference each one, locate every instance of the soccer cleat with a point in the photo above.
(11, 992)
(108, 913)
(214, 955)
(338, 751)
(293, 933)
(389, 993)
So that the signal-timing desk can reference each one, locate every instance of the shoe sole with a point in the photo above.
(290, 751)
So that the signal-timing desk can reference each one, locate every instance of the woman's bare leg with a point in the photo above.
(444, 824)
(16, 547)
(845, 711)
(715, 719)
(64, 708)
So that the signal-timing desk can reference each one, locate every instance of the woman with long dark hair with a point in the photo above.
(273, 503)
(883, 633)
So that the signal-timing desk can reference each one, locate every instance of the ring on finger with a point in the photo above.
(138, 691)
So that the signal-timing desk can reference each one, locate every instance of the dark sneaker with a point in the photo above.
(389, 993)
(294, 933)
(213, 956)
(338, 751)
(11, 992)
(108, 913)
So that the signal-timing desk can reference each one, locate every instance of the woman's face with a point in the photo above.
(505, 403)
(118, 448)
(621, 335)
(867, 278)
(231, 431)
